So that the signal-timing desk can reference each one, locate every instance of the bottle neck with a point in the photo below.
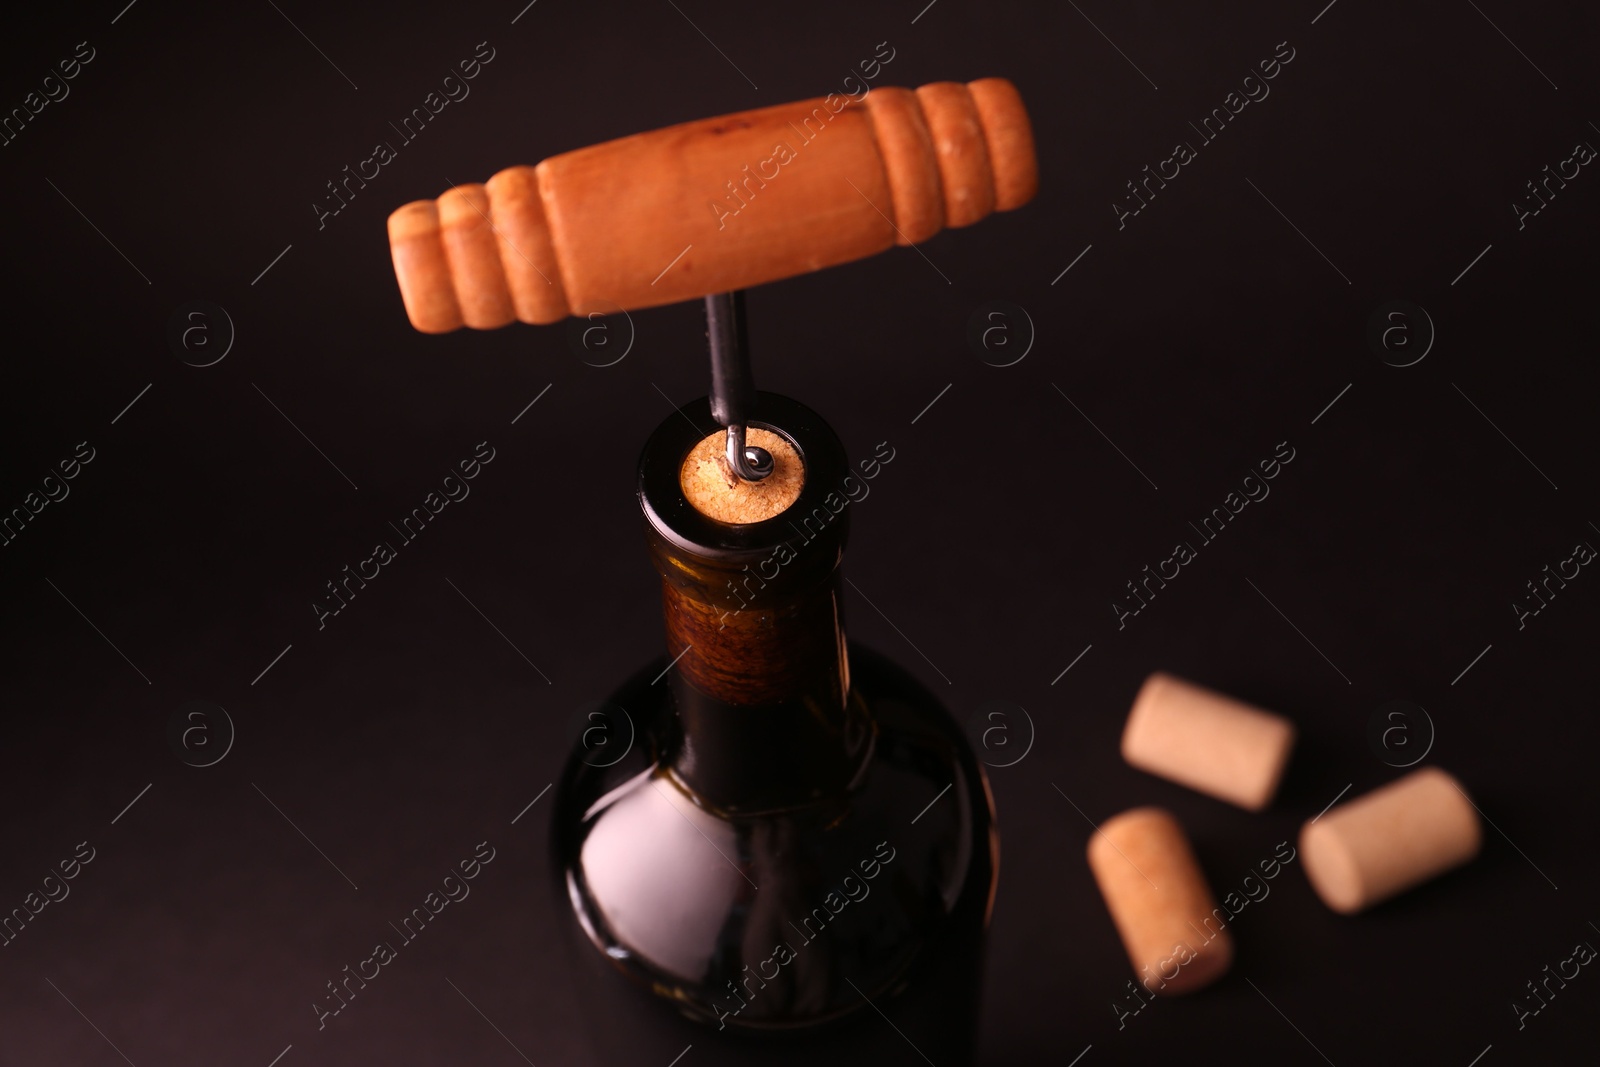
(764, 714)
(761, 686)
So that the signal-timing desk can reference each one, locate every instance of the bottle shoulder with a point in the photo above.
(757, 920)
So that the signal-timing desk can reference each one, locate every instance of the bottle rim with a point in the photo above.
(689, 530)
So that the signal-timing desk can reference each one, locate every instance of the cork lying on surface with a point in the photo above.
(1383, 843)
(1160, 902)
(1207, 741)
(714, 490)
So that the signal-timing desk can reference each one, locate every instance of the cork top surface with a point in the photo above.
(714, 490)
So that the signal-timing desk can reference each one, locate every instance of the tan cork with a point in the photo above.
(1176, 936)
(714, 490)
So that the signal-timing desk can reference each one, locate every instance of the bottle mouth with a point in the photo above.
(683, 526)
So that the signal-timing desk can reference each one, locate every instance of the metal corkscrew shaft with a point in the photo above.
(733, 385)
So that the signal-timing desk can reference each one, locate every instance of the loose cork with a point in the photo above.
(714, 490)
(1378, 845)
(1160, 902)
(1207, 741)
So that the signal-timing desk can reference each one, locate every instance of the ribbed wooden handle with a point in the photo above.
(712, 206)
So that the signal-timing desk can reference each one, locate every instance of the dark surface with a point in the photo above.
(1196, 338)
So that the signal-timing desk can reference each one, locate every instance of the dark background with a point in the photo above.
(1197, 338)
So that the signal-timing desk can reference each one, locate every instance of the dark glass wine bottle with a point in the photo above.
(797, 855)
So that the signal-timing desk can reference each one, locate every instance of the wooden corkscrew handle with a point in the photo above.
(714, 205)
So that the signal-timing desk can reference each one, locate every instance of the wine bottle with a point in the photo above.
(785, 848)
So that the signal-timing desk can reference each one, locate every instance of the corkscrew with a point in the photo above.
(710, 207)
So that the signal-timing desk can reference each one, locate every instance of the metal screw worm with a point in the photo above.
(733, 389)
